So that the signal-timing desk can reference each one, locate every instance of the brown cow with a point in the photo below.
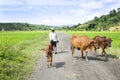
(102, 42)
(49, 51)
(82, 43)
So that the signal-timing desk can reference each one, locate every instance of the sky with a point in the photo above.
(54, 12)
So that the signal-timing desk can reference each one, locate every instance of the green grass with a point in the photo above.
(17, 36)
(18, 52)
(114, 50)
(20, 49)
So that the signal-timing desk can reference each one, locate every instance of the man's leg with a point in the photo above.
(55, 47)
(51, 43)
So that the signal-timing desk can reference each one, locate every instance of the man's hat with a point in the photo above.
(52, 28)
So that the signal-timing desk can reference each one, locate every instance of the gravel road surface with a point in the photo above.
(65, 67)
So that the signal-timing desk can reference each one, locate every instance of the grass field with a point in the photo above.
(18, 52)
(115, 36)
(20, 49)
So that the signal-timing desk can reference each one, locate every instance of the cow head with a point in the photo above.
(109, 40)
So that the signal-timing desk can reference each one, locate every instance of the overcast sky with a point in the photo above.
(54, 12)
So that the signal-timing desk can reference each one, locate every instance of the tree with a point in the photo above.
(113, 12)
(118, 9)
(96, 18)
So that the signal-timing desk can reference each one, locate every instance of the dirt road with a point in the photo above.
(67, 68)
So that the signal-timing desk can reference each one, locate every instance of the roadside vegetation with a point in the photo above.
(18, 52)
(113, 51)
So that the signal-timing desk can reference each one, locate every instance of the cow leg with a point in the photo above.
(103, 52)
(86, 56)
(51, 60)
(73, 49)
(95, 51)
(48, 61)
(81, 53)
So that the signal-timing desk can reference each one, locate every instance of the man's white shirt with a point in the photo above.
(53, 36)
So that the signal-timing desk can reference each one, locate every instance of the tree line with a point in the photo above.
(22, 27)
(102, 23)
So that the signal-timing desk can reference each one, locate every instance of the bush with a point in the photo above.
(12, 62)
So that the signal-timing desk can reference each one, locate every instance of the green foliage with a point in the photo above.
(23, 27)
(11, 61)
(103, 23)
(17, 57)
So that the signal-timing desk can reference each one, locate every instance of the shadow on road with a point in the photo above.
(92, 58)
(109, 56)
(62, 52)
(112, 56)
(105, 59)
(59, 64)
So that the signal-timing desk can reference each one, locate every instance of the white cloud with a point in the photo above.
(53, 12)
(48, 2)
(37, 2)
(13, 9)
(55, 21)
(12, 2)
(41, 2)
(78, 11)
(91, 5)
(108, 1)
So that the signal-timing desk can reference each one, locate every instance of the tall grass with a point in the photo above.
(17, 36)
(18, 52)
(115, 36)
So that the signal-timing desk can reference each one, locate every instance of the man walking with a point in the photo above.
(53, 40)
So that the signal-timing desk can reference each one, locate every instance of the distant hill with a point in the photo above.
(22, 27)
(102, 23)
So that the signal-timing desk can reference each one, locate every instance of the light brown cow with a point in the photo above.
(48, 50)
(82, 43)
(102, 42)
